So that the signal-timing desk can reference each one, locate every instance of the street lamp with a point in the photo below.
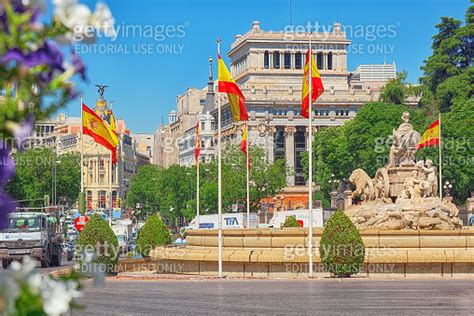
(54, 182)
(447, 188)
(333, 182)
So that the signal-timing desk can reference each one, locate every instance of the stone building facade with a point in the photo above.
(268, 67)
(105, 185)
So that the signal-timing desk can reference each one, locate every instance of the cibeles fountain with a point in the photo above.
(404, 193)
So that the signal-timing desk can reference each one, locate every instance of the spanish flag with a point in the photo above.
(430, 137)
(244, 143)
(98, 129)
(112, 125)
(317, 87)
(198, 145)
(226, 83)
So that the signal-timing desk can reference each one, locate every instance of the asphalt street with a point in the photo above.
(271, 297)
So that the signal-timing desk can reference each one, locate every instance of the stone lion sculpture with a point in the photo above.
(364, 185)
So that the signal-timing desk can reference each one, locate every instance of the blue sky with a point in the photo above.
(144, 85)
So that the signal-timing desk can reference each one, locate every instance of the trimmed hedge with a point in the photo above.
(154, 233)
(342, 249)
(99, 237)
(291, 222)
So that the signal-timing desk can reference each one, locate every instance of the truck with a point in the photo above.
(302, 216)
(33, 232)
(229, 220)
(124, 235)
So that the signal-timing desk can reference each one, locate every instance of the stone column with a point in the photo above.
(290, 153)
(270, 59)
(270, 143)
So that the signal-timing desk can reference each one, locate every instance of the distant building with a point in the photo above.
(63, 135)
(144, 144)
(372, 75)
(268, 67)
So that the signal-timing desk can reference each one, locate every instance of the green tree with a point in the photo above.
(395, 90)
(448, 73)
(342, 249)
(144, 188)
(34, 176)
(153, 234)
(68, 178)
(98, 238)
(266, 179)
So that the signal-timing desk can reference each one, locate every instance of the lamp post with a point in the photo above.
(447, 188)
(333, 182)
(54, 182)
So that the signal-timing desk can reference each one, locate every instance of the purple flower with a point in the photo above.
(7, 170)
(7, 205)
(71, 92)
(21, 132)
(7, 165)
(49, 55)
(78, 65)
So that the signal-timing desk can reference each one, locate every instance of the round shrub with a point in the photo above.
(291, 222)
(154, 233)
(342, 250)
(99, 238)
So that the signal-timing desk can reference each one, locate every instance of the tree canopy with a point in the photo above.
(34, 176)
(172, 191)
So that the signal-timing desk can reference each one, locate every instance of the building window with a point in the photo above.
(89, 200)
(279, 144)
(266, 60)
(114, 199)
(330, 61)
(298, 61)
(102, 199)
(319, 60)
(276, 60)
(300, 148)
(287, 60)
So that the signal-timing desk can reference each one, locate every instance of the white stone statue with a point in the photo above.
(405, 139)
(430, 175)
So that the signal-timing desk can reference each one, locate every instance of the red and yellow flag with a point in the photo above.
(226, 83)
(430, 137)
(317, 87)
(98, 129)
(244, 143)
(113, 128)
(198, 145)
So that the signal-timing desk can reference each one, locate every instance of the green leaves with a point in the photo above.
(342, 249)
(34, 176)
(172, 191)
(99, 238)
(153, 234)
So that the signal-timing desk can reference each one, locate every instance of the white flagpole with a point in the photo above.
(440, 160)
(197, 176)
(110, 177)
(82, 158)
(248, 171)
(310, 171)
(110, 189)
(219, 173)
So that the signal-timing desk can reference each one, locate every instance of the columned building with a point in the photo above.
(105, 185)
(268, 67)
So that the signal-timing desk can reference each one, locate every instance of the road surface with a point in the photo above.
(293, 297)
